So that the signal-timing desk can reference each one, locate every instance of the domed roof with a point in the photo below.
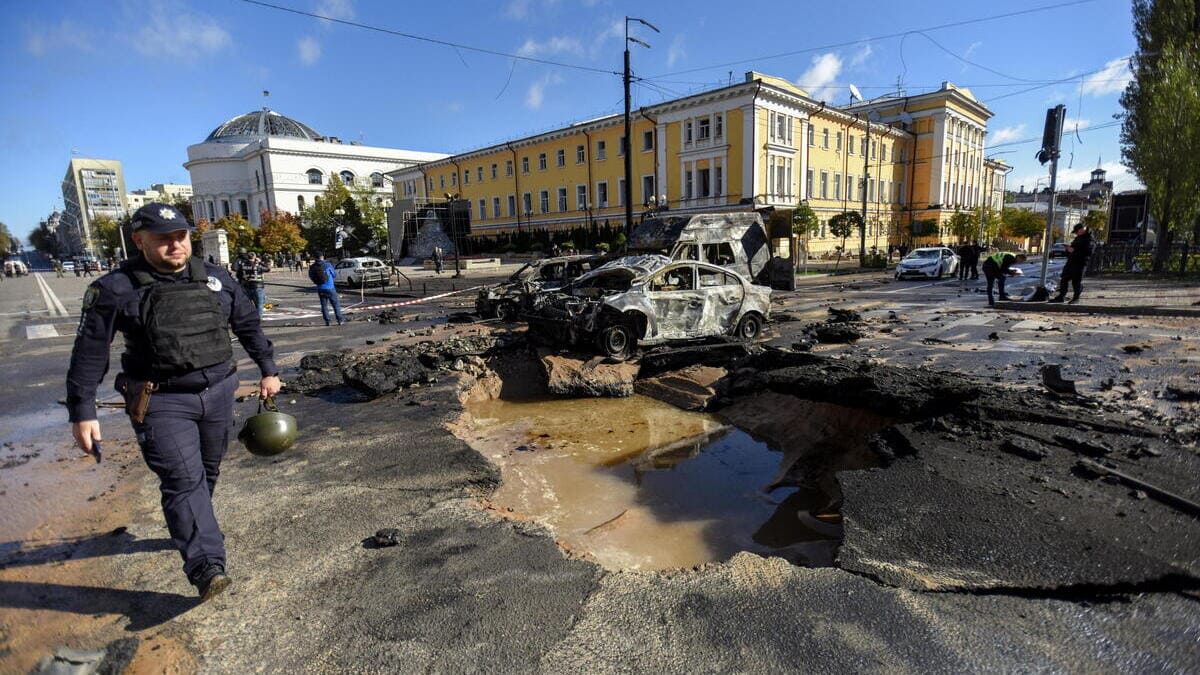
(260, 124)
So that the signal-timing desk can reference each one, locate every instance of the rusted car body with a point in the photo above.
(508, 300)
(641, 301)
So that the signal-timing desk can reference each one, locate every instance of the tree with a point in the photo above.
(842, 226)
(1097, 222)
(106, 235)
(1021, 224)
(6, 239)
(963, 224)
(280, 232)
(238, 233)
(1160, 138)
(989, 222)
(804, 221)
(321, 219)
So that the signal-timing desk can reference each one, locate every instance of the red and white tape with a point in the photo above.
(415, 301)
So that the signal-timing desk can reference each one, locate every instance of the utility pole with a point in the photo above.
(862, 231)
(627, 193)
(1051, 139)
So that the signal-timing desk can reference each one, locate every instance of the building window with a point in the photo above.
(602, 194)
(580, 156)
(719, 122)
(315, 177)
(883, 152)
(527, 202)
(479, 174)
(224, 208)
(874, 145)
(850, 144)
(850, 187)
(212, 214)
(688, 183)
(581, 197)
(300, 203)
(647, 141)
(871, 190)
(544, 201)
(467, 177)
(347, 178)
(244, 208)
(687, 131)
(495, 207)
(442, 182)
(808, 183)
(483, 209)
(562, 158)
(601, 150)
(825, 138)
(620, 192)
(454, 179)
(703, 129)
(718, 181)
(524, 165)
(257, 180)
(837, 186)
(376, 180)
(562, 199)
(493, 172)
(824, 185)
(508, 167)
(864, 146)
(541, 161)
(812, 135)
(838, 147)
(647, 189)
(623, 147)
(704, 178)
(512, 205)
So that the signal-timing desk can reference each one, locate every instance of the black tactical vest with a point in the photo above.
(184, 326)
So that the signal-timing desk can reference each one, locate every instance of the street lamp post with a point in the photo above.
(628, 149)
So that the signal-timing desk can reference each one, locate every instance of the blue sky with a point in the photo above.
(140, 80)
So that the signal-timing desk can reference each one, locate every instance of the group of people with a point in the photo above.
(998, 266)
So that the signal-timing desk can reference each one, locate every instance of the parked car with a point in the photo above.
(648, 300)
(68, 265)
(508, 299)
(932, 262)
(360, 272)
(1059, 250)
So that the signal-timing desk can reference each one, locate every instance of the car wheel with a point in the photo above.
(749, 327)
(616, 342)
(506, 312)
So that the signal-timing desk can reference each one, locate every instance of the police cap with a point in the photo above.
(159, 217)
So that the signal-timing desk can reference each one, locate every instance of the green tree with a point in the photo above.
(1021, 224)
(321, 219)
(1160, 137)
(238, 233)
(1097, 222)
(989, 221)
(963, 224)
(842, 226)
(106, 235)
(279, 232)
(805, 222)
(6, 239)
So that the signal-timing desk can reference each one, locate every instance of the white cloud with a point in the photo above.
(613, 29)
(554, 45)
(1112, 79)
(864, 53)
(818, 78)
(335, 9)
(1070, 125)
(1006, 134)
(172, 32)
(309, 50)
(536, 95)
(42, 39)
(517, 9)
(676, 52)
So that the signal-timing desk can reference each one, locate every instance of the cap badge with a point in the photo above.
(166, 214)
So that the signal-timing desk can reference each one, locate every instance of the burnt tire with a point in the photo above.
(749, 327)
(506, 312)
(616, 341)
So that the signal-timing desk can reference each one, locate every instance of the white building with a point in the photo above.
(263, 161)
(91, 188)
(167, 193)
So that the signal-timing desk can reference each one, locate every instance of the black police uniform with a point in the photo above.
(1072, 272)
(176, 330)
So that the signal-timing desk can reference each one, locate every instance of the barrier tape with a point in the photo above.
(414, 301)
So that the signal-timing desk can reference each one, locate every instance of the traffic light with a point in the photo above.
(1052, 134)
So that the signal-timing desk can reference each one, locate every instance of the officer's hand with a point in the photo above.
(269, 386)
(85, 433)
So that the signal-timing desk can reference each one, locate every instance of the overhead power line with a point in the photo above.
(430, 40)
(850, 43)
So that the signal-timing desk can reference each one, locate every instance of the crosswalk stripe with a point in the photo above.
(39, 331)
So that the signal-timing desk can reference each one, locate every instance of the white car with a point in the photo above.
(932, 262)
(360, 272)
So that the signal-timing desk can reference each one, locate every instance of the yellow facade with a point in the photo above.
(759, 143)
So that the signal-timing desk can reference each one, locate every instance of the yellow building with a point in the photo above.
(759, 143)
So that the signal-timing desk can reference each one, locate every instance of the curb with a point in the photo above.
(1098, 309)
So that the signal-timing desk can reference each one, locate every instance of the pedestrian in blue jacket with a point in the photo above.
(321, 274)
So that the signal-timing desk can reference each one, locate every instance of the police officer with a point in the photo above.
(1078, 253)
(998, 266)
(177, 375)
(250, 269)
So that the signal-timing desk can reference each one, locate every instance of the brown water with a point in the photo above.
(639, 484)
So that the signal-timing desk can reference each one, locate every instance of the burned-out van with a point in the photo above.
(737, 241)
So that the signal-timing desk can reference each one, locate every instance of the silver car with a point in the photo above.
(651, 300)
(931, 262)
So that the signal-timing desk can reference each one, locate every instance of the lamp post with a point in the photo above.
(628, 149)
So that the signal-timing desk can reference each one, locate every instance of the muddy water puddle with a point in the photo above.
(639, 484)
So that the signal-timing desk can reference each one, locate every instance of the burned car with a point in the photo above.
(509, 299)
(641, 301)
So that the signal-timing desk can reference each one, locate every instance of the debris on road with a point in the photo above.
(567, 376)
(1053, 380)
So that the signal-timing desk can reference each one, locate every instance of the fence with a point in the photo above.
(1183, 259)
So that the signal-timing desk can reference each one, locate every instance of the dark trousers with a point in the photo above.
(991, 272)
(974, 267)
(183, 439)
(328, 297)
(1072, 274)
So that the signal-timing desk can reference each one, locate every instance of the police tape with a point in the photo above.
(414, 301)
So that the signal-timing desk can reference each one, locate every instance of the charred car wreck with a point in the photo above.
(648, 300)
(510, 299)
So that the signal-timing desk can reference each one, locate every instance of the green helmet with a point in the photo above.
(268, 433)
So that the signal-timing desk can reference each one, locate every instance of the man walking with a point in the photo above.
(321, 274)
(250, 271)
(1078, 253)
(439, 259)
(964, 251)
(998, 266)
(177, 375)
(58, 268)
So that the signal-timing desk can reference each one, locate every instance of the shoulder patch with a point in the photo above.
(214, 284)
(90, 296)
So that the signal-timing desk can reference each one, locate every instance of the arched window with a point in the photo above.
(315, 177)
(376, 180)
(347, 178)
(300, 202)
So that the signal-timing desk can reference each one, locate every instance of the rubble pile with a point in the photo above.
(844, 326)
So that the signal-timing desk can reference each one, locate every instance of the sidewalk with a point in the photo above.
(1109, 295)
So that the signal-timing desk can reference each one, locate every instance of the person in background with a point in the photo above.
(321, 274)
(1078, 252)
(250, 270)
(998, 266)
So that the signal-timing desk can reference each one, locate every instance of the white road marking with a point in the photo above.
(976, 320)
(910, 288)
(40, 331)
(52, 303)
(28, 311)
(1031, 324)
